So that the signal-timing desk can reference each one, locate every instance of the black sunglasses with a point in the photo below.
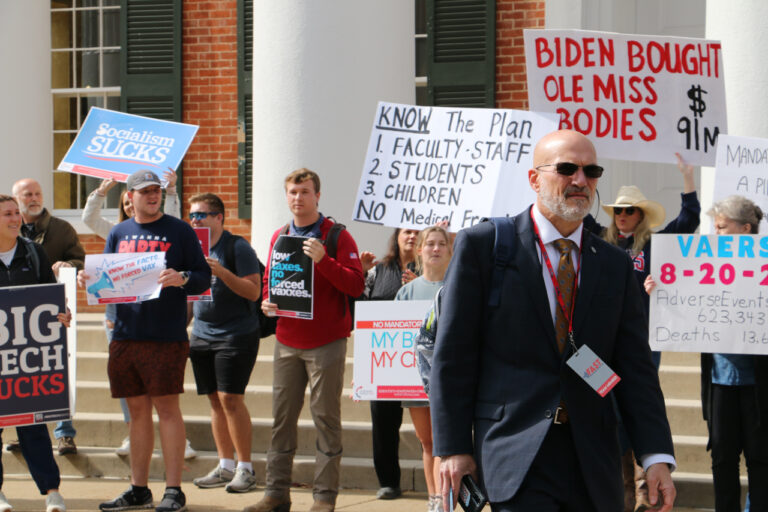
(201, 215)
(630, 210)
(569, 169)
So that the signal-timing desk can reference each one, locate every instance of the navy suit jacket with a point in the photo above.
(497, 375)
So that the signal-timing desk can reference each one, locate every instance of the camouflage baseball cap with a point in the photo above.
(142, 179)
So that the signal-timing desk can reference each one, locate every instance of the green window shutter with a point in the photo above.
(244, 107)
(150, 70)
(461, 53)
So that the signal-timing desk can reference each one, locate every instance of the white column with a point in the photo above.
(26, 140)
(319, 70)
(740, 26)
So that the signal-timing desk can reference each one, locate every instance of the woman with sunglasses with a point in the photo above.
(634, 217)
(734, 392)
(101, 226)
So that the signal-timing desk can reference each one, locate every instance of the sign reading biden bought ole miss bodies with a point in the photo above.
(34, 375)
(115, 145)
(640, 98)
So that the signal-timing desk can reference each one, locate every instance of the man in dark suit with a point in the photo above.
(505, 405)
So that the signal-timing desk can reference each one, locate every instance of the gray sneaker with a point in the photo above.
(244, 481)
(218, 477)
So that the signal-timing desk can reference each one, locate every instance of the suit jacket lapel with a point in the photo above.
(590, 272)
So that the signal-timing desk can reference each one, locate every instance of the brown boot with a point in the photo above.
(271, 504)
(642, 503)
(628, 471)
(322, 506)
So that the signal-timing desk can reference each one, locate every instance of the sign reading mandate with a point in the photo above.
(636, 97)
(34, 372)
(115, 145)
(428, 164)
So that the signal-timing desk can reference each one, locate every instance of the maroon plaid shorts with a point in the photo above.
(153, 368)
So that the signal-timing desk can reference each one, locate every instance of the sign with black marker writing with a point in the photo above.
(429, 164)
(637, 97)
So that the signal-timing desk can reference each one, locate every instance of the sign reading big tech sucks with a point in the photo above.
(115, 145)
(711, 293)
(385, 350)
(34, 374)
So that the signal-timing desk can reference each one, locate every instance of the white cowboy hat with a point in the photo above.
(630, 195)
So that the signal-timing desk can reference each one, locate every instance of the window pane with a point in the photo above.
(111, 67)
(61, 143)
(87, 29)
(421, 16)
(87, 185)
(61, 30)
(87, 68)
(111, 21)
(60, 4)
(64, 190)
(113, 197)
(87, 3)
(64, 113)
(87, 102)
(421, 56)
(111, 2)
(61, 70)
(113, 102)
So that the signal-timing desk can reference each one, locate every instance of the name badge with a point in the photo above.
(593, 370)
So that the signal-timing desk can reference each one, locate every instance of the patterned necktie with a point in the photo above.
(566, 278)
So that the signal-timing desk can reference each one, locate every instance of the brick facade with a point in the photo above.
(512, 16)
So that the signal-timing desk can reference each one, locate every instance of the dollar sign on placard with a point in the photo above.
(697, 104)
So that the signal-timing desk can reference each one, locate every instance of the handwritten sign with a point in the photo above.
(636, 97)
(204, 236)
(742, 169)
(291, 278)
(123, 277)
(385, 350)
(115, 145)
(428, 164)
(712, 293)
(34, 387)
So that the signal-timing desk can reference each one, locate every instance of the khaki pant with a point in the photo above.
(323, 368)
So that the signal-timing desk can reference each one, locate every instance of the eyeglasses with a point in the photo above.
(201, 215)
(569, 169)
(629, 210)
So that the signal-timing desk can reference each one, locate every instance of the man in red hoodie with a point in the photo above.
(311, 351)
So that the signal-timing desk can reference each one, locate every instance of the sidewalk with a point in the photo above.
(85, 494)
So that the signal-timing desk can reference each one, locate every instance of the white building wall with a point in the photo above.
(319, 70)
(26, 110)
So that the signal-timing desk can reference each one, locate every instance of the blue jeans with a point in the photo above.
(64, 429)
(37, 451)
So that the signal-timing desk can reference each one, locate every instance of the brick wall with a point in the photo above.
(512, 16)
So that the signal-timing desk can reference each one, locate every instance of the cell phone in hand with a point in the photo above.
(471, 498)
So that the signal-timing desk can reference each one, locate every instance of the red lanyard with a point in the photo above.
(552, 275)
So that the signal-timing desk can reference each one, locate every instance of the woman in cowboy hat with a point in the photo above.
(634, 217)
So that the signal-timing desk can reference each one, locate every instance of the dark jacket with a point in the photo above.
(58, 238)
(761, 387)
(21, 271)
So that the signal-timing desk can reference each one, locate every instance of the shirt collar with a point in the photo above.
(549, 233)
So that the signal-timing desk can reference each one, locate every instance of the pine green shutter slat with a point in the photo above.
(150, 60)
(461, 53)
(245, 107)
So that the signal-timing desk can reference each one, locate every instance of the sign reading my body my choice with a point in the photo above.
(636, 97)
(711, 293)
(115, 145)
(291, 278)
(428, 164)
(34, 375)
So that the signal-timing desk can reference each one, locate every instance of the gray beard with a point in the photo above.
(559, 207)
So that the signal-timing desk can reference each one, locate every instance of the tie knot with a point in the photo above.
(564, 245)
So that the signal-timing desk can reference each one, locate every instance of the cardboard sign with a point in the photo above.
(34, 371)
(123, 277)
(429, 164)
(291, 278)
(204, 236)
(115, 145)
(711, 294)
(742, 169)
(385, 350)
(636, 97)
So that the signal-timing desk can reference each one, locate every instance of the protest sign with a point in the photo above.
(123, 277)
(385, 350)
(428, 164)
(34, 374)
(742, 169)
(115, 145)
(636, 97)
(291, 278)
(204, 236)
(711, 293)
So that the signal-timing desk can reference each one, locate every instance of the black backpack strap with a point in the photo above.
(230, 262)
(332, 239)
(33, 259)
(503, 253)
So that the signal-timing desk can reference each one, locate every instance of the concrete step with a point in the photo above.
(695, 490)
(681, 358)
(685, 417)
(680, 381)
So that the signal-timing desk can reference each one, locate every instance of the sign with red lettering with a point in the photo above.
(34, 370)
(385, 350)
(123, 277)
(640, 98)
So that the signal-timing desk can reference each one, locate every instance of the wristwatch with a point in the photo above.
(185, 277)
